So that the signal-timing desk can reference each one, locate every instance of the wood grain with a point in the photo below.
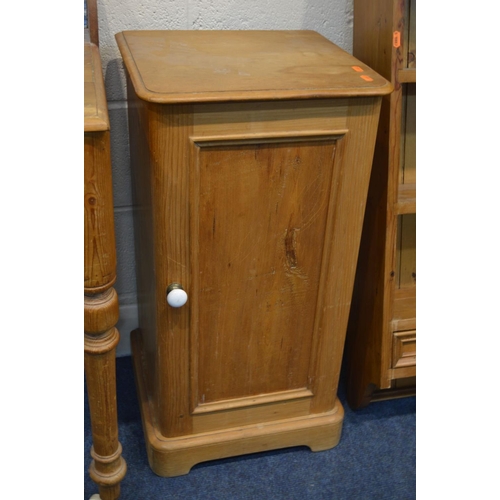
(387, 256)
(407, 199)
(408, 160)
(93, 22)
(404, 304)
(262, 216)
(407, 271)
(94, 105)
(200, 66)
(140, 162)
(412, 34)
(408, 75)
(270, 120)
(170, 457)
(404, 349)
(100, 257)
(256, 209)
(108, 468)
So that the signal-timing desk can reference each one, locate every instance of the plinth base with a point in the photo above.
(170, 457)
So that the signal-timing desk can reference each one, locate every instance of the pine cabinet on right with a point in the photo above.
(380, 352)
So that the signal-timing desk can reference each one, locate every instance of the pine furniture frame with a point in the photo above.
(251, 154)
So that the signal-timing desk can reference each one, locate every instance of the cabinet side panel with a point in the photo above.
(352, 169)
(143, 227)
(366, 321)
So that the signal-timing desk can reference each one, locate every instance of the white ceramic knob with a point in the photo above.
(176, 296)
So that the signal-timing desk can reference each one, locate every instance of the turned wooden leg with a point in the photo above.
(101, 315)
(101, 337)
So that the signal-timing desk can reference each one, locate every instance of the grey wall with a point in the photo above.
(331, 18)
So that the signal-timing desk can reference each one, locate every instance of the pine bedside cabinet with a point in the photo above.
(251, 154)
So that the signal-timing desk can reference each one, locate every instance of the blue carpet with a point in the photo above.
(375, 459)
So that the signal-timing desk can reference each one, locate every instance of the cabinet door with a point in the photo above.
(260, 214)
(268, 202)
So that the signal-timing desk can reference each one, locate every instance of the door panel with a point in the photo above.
(259, 213)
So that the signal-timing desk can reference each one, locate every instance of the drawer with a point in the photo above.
(404, 349)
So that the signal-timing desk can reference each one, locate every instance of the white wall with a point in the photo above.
(331, 18)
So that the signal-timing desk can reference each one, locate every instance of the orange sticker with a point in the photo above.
(396, 39)
(366, 78)
(357, 68)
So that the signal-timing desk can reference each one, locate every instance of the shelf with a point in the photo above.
(403, 325)
(386, 394)
(407, 75)
(405, 304)
(407, 199)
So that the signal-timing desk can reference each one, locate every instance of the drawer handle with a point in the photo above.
(176, 296)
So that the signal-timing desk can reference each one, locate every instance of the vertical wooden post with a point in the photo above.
(101, 314)
(92, 20)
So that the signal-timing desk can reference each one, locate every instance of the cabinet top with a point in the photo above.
(209, 66)
(95, 109)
